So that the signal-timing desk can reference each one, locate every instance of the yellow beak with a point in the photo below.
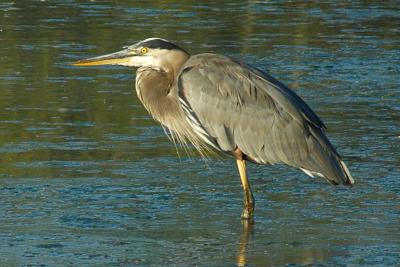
(123, 57)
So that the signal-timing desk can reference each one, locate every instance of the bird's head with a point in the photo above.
(153, 52)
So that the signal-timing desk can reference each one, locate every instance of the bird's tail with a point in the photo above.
(350, 180)
(341, 176)
(325, 162)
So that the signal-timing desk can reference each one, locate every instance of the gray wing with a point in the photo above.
(232, 105)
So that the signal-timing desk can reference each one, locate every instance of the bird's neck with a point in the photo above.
(156, 90)
(155, 85)
(171, 64)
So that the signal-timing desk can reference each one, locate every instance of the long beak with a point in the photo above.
(123, 57)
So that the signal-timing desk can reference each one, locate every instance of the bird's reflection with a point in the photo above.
(245, 238)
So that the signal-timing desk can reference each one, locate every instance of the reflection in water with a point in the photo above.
(245, 238)
(297, 250)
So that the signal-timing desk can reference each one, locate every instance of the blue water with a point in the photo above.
(88, 179)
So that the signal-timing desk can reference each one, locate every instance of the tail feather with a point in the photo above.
(350, 180)
(325, 160)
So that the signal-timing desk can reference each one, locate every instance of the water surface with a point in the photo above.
(88, 179)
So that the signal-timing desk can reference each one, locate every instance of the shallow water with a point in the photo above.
(88, 179)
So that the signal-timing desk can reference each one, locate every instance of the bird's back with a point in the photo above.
(234, 106)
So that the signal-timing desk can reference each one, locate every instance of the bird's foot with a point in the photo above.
(248, 213)
(248, 206)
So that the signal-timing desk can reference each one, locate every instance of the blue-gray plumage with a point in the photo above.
(215, 102)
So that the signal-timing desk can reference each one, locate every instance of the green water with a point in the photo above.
(88, 179)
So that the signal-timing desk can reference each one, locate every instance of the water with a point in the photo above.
(88, 179)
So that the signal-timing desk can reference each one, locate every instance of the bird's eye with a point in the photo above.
(144, 50)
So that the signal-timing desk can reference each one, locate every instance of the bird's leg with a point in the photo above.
(248, 208)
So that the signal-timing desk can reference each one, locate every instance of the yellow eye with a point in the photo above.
(144, 50)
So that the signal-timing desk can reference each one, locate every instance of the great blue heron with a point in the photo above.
(215, 102)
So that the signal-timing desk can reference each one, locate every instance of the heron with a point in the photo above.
(217, 103)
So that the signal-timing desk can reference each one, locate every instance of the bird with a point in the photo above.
(217, 103)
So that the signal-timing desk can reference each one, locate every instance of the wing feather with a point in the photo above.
(233, 105)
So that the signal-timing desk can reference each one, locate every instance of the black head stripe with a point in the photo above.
(160, 44)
